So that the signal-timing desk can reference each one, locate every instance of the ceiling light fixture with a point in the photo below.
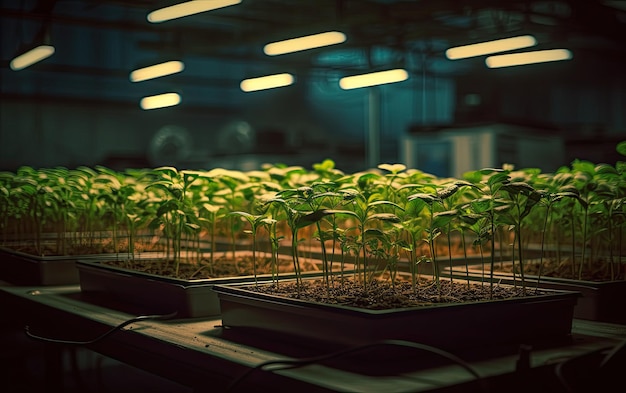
(485, 48)
(160, 101)
(266, 82)
(304, 43)
(157, 71)
(188, 8)
(540, 56)
(373, 79)
(31, 57)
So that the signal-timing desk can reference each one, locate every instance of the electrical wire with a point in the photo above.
(105, 334)
(295, 363)
(618, 352)
(559, 368)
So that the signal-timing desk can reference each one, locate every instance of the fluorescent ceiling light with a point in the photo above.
(485, 48)
(540, 56)
(31, 57)
(156, 71)
(304, 43)
(266, 82)
(373, 79)
(188, 8)
(160, 101)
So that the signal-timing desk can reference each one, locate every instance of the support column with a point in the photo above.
(373, 139)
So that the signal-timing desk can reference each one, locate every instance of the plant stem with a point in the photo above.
(493, 257)
(465, 258)
(584, 245)
(543, 237)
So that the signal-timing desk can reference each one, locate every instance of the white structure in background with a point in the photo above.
(450, 152)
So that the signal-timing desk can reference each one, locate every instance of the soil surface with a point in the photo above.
(222, 266)
(597, 270)
(381, 294)
(49, 248)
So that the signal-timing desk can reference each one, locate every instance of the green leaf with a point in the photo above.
(393, 168)
(324, 166)
(268, 221)
(414, 207)
(388, 217)
(442, 219)
(507, 219)
(488, 171)
(430, 199)
(245, 215)
(167, 206)
(605, 169)
(169, 169)
(374, 233)
(211, 208)
(621, 148)
(518, 188)
(569, 189)
(470, 218)
(192, 226)
(448, 191)
(482, 204)
(473, 176)
(311, 218)
(386, 203)
(499, 177)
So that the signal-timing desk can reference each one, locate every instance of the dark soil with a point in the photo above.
(381, 294)
(222, 266)
(597, 270)
(343, 290)
(82, 247)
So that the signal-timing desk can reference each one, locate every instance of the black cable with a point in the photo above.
(107, 333)
(618, 352)
(558, 369)
(295, 363)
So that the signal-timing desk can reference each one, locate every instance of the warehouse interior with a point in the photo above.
(79, 107)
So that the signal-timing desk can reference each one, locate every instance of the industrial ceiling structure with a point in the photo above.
(108, 39)
(98, 44)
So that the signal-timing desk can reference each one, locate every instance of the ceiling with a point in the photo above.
(98, 43)
(239, 32)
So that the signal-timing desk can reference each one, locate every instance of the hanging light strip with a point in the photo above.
(188, 8)
(160, 101)
(540, 56)
(486, 48)
(31, 57)
(157, 71)
(373, 79)
(304, 43)
(266, 82)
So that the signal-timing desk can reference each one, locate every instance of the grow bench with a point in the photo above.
(200, 354)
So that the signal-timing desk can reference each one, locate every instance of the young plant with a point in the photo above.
(479, 225)
(231, 197)
(451, 197)
(312, 199)
(524, 197)
(365, 213)
(416, 204)
(296, 220)
(490, 206)
(175, 214)
(554, 192)
(255, 221)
